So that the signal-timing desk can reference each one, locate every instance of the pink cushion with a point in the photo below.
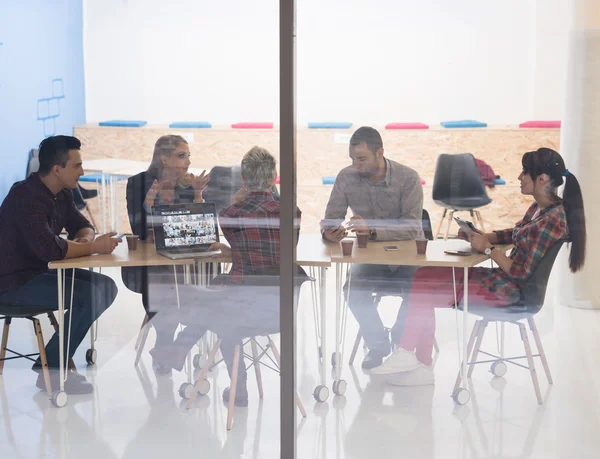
(277, 180)
(407, 126)
(422, 182)
(252, 126)
(540, 124)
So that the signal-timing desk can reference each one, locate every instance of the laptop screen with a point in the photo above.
(179, 226)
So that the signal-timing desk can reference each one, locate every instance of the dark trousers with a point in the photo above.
(93, 294)
(382, 280)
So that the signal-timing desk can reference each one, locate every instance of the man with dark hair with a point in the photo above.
(386, 199)
(32, 216)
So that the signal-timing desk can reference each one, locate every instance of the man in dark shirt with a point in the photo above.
(32, 216)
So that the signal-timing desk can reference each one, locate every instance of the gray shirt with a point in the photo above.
(393, 207)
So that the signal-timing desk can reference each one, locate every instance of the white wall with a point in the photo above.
(364, 62)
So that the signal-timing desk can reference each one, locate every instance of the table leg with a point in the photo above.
(461, 395)
(321, 392)
(61, 331)
(339, 385)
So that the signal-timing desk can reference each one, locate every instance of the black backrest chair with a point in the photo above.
(458, 186)
(426, 225)
(33, 162)
(533, 294)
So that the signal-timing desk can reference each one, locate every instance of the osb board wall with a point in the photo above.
(323, 152)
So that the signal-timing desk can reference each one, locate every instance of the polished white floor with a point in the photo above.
(134, 414)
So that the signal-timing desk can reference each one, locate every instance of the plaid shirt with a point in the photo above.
(532, 238)
(31, 220)
(252, 229)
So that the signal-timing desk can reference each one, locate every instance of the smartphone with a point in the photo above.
(119, 236)
(465, 225)
(390, 248)
(460, 253)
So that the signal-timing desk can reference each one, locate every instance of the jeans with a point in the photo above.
(384, 281)
(93, 294)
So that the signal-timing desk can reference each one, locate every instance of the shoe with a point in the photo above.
(72, 374)
(241, 397)
(73, 385)
(168, 357)
(161, 368)
(401, 360)
(420, 376)
(373, 359)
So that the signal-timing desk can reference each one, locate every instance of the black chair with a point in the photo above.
(80, 194)
(458, 186)
(530, 303)
(8, 312)
(426, 225)
(261, 287)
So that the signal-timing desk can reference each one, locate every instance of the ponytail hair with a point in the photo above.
(549, 162)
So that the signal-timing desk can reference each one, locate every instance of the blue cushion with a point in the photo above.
(328, 180)
(463, 124)
(326, 125)
(191, 124)
(98, 178)
(499, 181)
(123, 123)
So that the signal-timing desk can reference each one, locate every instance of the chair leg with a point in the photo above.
(140, 333)
(482, 327)
(278, 359)
(450, 215)
(256, 363)
(355, 348)
(203, 373)
(54, 324)
(478, 214)
(5, 331)
(530, 362)
(540, 348)
(439, 228)
(233, 387)
(143, 336)
(40, 340)
(92, 219)
(474, 334)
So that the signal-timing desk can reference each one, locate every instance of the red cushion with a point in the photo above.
(540, 124)
(277, 180)
(407, 126)
(252, 126)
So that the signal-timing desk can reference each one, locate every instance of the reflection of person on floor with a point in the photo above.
(251, 226)
(549, 219)
(166, 433)
(32, 217)
(386, 199)
(160, 184)
(378, 428)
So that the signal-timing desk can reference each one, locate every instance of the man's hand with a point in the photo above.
(224, 248)
(479, 241)
(106, 243)
(335, 234)
(358, 225)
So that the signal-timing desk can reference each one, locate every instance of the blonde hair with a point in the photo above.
(258, 169)
(164, 146)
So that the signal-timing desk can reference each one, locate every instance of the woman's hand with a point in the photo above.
(154, 190)
(224, 248)
(479, 241)
(199, 183)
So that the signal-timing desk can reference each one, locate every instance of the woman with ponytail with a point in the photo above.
(548, 220)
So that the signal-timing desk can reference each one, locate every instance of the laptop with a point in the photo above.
(185, 230)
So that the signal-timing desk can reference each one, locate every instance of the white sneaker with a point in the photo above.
(401, 360)
(421, 376)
